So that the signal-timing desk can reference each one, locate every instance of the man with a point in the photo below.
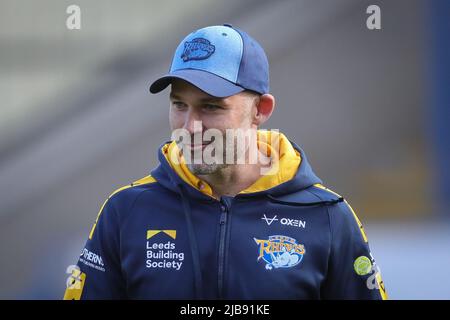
(231, 212)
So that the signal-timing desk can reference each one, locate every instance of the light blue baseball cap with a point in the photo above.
(219, 60)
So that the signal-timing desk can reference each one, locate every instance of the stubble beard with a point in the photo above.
(206, 169)
(211, 168)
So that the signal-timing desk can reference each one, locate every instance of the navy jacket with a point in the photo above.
(286, 237)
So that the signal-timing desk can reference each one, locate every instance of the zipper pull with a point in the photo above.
(223, 215)
(223, 219)
(223, 212)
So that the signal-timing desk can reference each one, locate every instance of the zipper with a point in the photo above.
(222, 238)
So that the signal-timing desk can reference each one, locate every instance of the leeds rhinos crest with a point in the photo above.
(197, 49)
(280, 252)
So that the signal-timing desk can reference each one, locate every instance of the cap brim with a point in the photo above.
(210, 83)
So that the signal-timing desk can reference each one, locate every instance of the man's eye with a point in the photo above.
(178, 104)
(211, 107)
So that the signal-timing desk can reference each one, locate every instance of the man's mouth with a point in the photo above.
(193, 147)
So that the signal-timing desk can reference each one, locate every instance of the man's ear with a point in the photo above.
(264, 108)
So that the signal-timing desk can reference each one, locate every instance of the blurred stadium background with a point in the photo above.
(370, 108)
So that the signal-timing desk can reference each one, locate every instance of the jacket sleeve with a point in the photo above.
(352, 271)
(97, 274)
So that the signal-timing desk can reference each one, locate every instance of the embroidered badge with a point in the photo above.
(280, 252)
(197, 49)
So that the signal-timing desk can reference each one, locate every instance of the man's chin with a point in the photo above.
(205, 169)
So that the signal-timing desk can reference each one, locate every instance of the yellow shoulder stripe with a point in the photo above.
(381, 287)
(363, 233)
(145, 180)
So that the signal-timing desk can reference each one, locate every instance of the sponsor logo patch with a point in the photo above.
(362, 265)
(92, 260)
(284, 221)
(160, 252)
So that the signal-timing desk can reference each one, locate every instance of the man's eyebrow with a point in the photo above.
(214, 100)
(174, 96)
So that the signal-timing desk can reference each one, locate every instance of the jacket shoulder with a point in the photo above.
(323, 193)
(122, 198)
(132, 189)
(345, 209)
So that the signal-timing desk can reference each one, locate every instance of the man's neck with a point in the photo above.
(231, 180)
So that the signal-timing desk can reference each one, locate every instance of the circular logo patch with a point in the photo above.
(362, 265)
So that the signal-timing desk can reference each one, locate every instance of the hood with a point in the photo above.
(289, 172)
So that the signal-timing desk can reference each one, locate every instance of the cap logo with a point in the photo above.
(197, 49)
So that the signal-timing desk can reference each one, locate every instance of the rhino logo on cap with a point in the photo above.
(197, 49)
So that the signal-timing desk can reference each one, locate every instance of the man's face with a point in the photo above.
(197, 112)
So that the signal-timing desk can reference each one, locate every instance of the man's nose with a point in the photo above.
(193, 122)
